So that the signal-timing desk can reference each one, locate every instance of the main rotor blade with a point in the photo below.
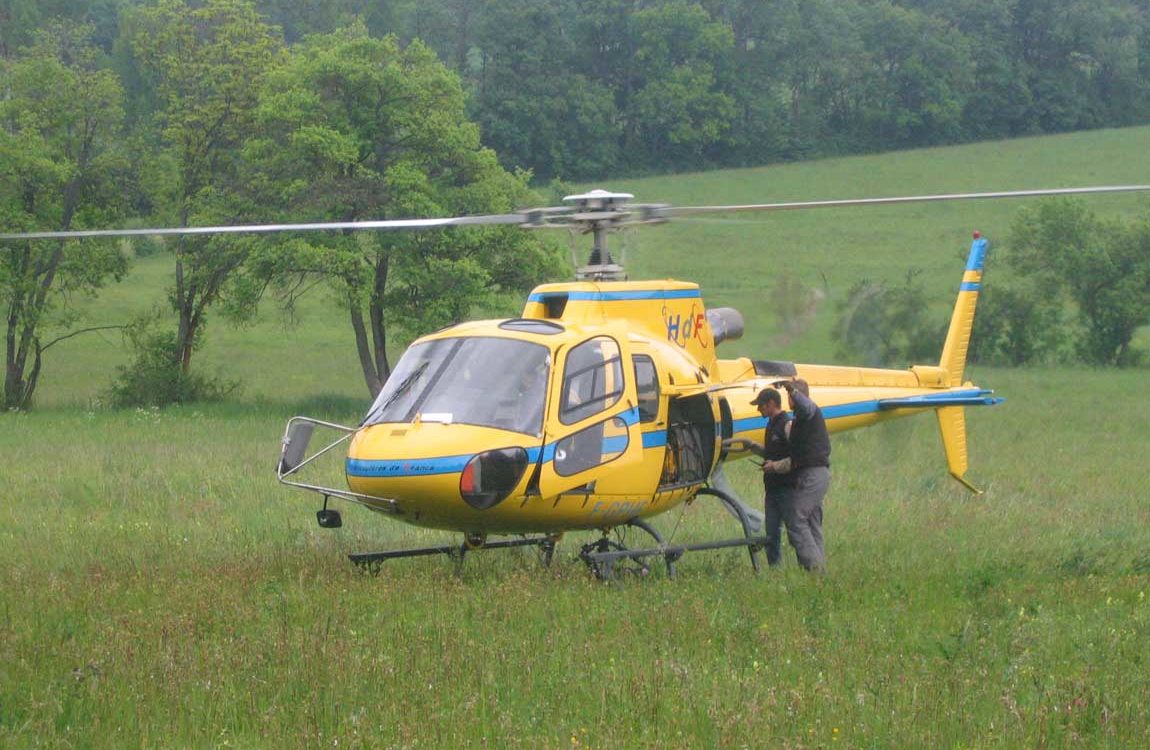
(268, 228)
(693, 210)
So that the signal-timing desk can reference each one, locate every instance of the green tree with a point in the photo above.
(678, 115)
(322, 16)
(559, 125)
(914, 83)
(1103, 265)
(360, 128)
(883, 325)
(60, 118)
(804, 55)
(1018, 323)
(207, 63)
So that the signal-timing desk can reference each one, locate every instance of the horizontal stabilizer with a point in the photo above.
(979, 397)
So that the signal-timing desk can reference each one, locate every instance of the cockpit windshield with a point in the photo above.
(490, 382)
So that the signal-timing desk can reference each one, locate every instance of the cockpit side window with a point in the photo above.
(592, 379)
(647, 382)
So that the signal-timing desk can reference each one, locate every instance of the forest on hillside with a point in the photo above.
(581, 89)
(205, 112)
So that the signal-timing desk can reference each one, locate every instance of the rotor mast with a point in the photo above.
(598, 213)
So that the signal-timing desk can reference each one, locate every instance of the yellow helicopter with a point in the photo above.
(603, 404)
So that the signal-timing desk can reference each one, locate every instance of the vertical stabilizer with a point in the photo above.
(962, 320)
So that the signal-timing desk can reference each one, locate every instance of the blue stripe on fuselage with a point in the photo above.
(855, 408)
(412, 467)
(418, 467)
(617, 296)
(655, 439)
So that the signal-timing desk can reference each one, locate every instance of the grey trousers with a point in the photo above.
(804, 516)
(777, 500)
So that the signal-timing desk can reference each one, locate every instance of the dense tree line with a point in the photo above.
(201, 112)
(586, 88)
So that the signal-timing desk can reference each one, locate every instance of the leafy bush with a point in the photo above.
(1018, 325)
(156, 378)
(796, 305)
(882, 325)
(1102, 265)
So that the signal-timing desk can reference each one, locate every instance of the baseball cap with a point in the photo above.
(765, 395)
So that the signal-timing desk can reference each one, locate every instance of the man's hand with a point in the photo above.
(786, 385)
(738, 445)
(768, 467)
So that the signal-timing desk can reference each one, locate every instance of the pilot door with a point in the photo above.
(593, 421)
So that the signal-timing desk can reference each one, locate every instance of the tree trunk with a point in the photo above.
(13, 388)
(185, 334)
(363, 347)
(13, 377)
(33, 378)
(378, 327)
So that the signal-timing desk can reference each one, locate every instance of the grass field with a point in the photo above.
(159, 589)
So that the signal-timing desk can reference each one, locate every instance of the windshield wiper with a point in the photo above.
(401, 389)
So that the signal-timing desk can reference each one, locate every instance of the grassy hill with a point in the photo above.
(734, 259)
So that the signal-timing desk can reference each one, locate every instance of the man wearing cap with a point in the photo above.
(808, 465)
(776, 485)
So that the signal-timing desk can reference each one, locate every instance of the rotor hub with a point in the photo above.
(598, 213)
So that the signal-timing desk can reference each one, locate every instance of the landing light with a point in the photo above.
(490, 477)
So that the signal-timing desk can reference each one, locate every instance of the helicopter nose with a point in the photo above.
(435, 471)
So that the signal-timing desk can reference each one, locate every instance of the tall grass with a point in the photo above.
(160, 590)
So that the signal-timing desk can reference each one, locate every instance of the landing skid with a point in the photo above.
(372, 561)
(605, 557)
(602, 556)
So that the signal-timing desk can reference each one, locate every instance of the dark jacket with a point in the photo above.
(775, 448)
(810, 443)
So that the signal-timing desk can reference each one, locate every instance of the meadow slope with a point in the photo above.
(734, 258)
